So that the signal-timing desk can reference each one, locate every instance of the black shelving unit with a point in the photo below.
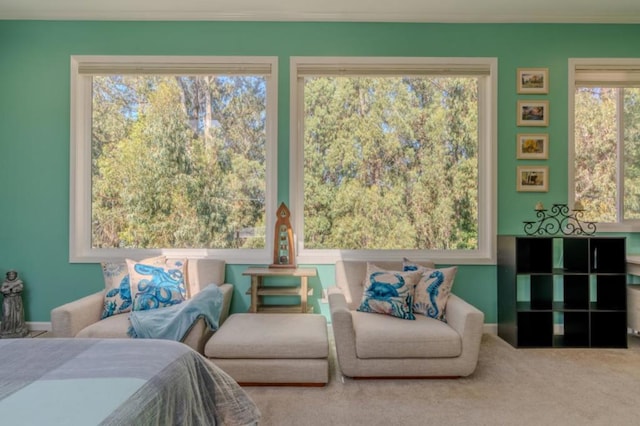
(562, 291)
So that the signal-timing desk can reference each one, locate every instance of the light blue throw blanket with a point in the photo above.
(174, 322)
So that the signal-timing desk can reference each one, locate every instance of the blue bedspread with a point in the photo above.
(174, 322)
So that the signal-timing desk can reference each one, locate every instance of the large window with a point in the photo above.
(393, 157)
(172, 154)
(605, 178)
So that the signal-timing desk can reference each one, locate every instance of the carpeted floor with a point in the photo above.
(510, 387)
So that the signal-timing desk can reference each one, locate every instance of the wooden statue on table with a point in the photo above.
(13, 324)
(283, 244)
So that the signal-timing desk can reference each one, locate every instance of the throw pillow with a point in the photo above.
(117, 296)
(389, 292)
(433, 289)
(157, 285)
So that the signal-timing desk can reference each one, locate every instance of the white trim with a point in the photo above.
(487, 170)
(620, 155)
(490, 328)
(38, 325)
(492, 16)
(80, 249)
(571, 142)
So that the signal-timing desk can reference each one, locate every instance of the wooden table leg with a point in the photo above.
(255, 283)
(303, 296)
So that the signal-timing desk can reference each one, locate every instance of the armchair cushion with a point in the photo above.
(433, 289)
(388, 292)
(115, 326)
(117, 296)
(157, 285)
(378, 336)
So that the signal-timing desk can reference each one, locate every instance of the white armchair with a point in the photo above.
(81, 318)
(383, 346)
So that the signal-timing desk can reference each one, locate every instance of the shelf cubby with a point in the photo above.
(535, 329)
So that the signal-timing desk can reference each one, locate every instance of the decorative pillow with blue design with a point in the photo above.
(117, 297)
(433, 289)
(389, 292)
(157, 286)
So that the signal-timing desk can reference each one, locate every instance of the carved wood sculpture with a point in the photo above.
(283, 245)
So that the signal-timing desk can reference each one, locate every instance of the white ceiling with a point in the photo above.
(579, 11)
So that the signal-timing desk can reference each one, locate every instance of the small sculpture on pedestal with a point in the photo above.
(13, 324)
(283, 244)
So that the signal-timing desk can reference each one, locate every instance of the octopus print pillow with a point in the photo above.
(117, 296)
(433, 289)
(157, 285)
(389, 292)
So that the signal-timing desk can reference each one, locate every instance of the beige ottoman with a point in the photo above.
(272, 349)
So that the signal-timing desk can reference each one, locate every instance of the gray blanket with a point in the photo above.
(116, 382)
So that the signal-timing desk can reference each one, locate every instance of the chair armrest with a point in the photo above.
(463, 317)
(468, 321)
(67, 320)
(343, 332)
(199, 334)
(227, 293)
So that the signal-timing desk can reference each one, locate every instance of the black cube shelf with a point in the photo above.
(562, 291)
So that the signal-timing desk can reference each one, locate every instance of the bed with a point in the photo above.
(116, 382)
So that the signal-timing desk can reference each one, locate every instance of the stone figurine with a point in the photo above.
(13, 324)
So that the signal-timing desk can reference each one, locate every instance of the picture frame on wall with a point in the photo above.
(533, 113)
(533, 178)
(532, 80)
(532, 146)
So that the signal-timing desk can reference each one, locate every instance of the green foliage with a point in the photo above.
(187, 170)
(595, 153)
(391, 163)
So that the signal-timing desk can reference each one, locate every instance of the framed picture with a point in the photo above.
(533, 80)
(532, 146)
(533, 179)
(533, 113)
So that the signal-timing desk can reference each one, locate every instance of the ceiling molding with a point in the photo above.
(414, 11)
(315, 17)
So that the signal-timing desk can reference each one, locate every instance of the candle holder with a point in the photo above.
(560, 219)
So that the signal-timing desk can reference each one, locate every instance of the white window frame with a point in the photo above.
(602, 72)
(487, 153)
(82, 69)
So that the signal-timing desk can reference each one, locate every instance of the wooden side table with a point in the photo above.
(259, 290)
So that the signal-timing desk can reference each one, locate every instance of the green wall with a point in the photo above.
(34, 121)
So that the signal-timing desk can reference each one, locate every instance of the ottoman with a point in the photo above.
(272, 349)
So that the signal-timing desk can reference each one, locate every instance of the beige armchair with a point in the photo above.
(81, 318)
(382, 346)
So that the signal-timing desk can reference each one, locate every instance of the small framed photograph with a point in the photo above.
(532, 146)
(533, 113)
(533, 179)
(533, 80)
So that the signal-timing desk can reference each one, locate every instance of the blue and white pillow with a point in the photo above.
(389, 292)
(157, 286)
(117, 298)
(433, 289)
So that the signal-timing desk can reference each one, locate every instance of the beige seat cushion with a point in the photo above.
(384, 336)
(270, 336)
(115, 326)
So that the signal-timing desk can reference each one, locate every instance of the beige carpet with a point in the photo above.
(510, 387)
